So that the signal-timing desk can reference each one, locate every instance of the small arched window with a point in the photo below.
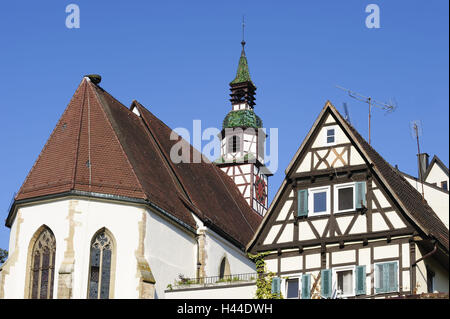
(224, 269)
(42, 272)
(234, 144)
(100, 265)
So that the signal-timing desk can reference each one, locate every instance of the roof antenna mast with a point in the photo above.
(388, 107)
(416, 130)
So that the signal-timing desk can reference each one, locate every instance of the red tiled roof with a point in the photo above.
(130, 156)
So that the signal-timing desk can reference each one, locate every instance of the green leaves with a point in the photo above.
(3, 255)
(264, 281)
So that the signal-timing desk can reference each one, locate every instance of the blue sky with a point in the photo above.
(177, 58)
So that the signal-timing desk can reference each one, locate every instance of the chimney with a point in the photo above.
(423, 159)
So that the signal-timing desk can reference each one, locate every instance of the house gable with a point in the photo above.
(319, 164)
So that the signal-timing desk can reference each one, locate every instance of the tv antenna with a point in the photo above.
(388, 107)
(416, 131)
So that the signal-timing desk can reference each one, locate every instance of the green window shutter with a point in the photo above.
(302, 209)
(325, 287)
(360, 288)
(360, 194)
(391, 270)
(380, 284)
(276, 285)
(306, 286)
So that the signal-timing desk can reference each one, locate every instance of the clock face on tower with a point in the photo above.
(260, 190)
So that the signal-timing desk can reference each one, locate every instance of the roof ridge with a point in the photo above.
(176, 179)
(108, 120)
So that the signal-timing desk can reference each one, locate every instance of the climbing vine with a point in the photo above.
(264, 280)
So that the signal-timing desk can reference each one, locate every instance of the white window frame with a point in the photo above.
(335, 279)
(311, 192)
(331, 127)
(299, 279)
(336, 197)
(376, 278)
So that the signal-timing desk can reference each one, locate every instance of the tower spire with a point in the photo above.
(243, 29)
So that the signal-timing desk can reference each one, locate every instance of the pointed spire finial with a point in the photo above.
(243, 29)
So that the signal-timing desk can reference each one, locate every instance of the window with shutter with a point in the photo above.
(276, 285)
(302, 209)
(319, 201)
(292, 288)
(360, 198)
(386, 277)
(360, 288)
(325, 287)
(306, 286)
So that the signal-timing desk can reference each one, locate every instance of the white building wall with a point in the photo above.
(217, 248)
(437, 175)
(169, 251)
(225, 292)
(437, 199)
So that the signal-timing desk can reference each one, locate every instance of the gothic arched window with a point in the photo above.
(42, 272)
(224, 269)
(102, 248)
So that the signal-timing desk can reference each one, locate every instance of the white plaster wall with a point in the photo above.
(321, 138)
(291, 263)
(271, 235)
(438, 200)
(285, 210)
(51, 214)
(305, 165)
(437, 175)
(169, 251)
(217, 248)
(342, 257)
(226, 292)
(120, 220)
(386, 251)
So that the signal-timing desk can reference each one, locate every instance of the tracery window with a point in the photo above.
(100, 266)
(43, 265)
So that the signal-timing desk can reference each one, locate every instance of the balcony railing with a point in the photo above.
(225, 280)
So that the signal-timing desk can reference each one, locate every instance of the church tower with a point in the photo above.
(242, 141)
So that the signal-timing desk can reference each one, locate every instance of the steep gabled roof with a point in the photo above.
(435, 161)
(210, 190)
(100, 146)
(405, 194)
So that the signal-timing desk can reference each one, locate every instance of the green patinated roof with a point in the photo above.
(242, 75)
(242, 118)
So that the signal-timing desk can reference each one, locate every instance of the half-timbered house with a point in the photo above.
(345, 223)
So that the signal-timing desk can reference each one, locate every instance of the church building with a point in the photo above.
(105, 213)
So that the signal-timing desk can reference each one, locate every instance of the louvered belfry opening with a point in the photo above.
(43, 265)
